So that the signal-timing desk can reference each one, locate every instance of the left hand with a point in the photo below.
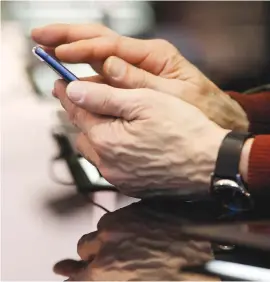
(143, 139)
(156, 64)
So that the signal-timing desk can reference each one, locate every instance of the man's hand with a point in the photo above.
(143, 139)
(133, 63)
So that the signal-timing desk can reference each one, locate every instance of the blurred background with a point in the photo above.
(44, 209)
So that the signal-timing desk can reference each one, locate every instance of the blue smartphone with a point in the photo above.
(54, 64)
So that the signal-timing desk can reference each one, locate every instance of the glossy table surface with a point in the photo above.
(144, 241)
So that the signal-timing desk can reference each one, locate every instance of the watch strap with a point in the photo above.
(227, 164)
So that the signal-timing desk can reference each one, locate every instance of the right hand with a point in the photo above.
(143, 140)
(133, 63)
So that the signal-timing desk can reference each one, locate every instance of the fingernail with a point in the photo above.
(76, 91)
(116, 68)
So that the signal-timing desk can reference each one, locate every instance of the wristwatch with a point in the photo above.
(227, 186)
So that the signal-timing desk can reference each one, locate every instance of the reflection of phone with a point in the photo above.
(53, 63)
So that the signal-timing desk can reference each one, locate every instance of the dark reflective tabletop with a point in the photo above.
(145, 241)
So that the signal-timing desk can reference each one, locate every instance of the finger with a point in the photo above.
(54, 35)
(88, 246)
(84, 146)
(122, 74)
(57, 34)
(105, 100)
(59, 92)
(151, 55)
(125, 75)
(78, 116)
(68, 267)
(95, 65)
(49, 50)
(147, 54)
(60, 85)
(95, 78)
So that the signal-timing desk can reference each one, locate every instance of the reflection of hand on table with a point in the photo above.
(137, 243)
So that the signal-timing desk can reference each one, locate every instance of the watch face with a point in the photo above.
(232, 195)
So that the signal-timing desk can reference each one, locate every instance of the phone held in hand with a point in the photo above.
(54, 64)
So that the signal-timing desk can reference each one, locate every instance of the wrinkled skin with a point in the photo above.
(136, 243)
(154, 64)
(143, 141)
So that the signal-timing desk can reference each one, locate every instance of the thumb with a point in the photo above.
(103, 99)
(124, 75)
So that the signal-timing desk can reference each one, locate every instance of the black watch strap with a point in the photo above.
(227, 164)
